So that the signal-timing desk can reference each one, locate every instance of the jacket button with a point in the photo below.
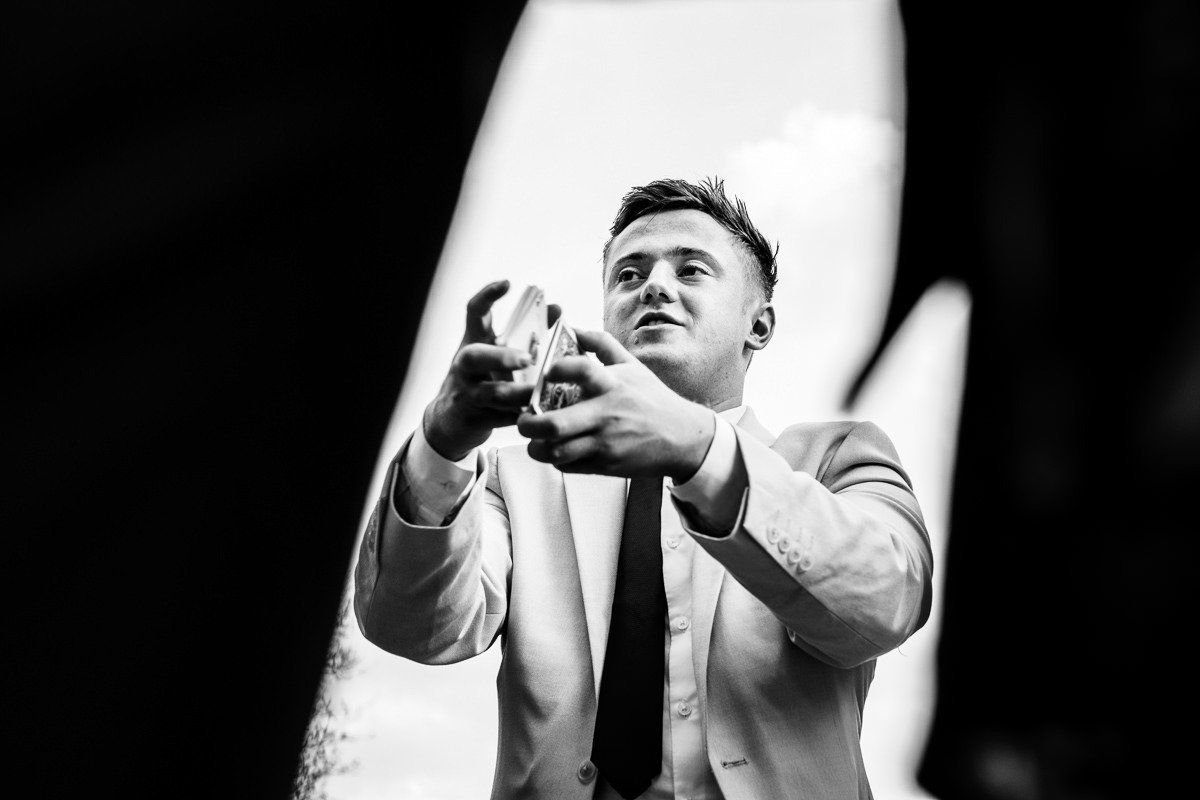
(587, 771)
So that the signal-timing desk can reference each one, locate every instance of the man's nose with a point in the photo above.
(660, 285)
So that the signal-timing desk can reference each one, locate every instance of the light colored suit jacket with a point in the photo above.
(828, 566)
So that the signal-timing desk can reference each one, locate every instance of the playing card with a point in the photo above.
(527, 329)
(549, 395)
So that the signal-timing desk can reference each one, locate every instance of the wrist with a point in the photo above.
(701, 427)
(442, 442)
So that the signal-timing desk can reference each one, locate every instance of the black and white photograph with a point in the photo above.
(598, 399)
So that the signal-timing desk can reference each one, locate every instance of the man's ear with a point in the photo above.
(762, 326)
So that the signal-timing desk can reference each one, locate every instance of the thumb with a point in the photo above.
(606, 348)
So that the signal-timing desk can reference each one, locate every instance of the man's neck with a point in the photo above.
(725, 405)
(717, 401)
(720, 393)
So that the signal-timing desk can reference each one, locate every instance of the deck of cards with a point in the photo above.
(528, 329)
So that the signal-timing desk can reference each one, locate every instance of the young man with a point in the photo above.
(689, 606)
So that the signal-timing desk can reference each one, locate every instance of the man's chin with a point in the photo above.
(657, 355)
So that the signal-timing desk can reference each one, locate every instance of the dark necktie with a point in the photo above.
(627, 745)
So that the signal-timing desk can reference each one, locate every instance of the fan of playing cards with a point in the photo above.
(528, 329)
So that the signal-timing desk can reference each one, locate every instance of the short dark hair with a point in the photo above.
(672, 194)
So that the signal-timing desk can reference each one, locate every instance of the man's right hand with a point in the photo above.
(471, 402)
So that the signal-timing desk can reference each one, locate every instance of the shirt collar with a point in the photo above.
(733, 415)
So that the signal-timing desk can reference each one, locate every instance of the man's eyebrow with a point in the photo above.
(630, 257)
(692, 252)
(679, 251)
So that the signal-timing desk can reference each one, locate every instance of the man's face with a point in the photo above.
(678, 294)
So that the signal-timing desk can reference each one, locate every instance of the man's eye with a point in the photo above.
(627, 274)
(689, 270)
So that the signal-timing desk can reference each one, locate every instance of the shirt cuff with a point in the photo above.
(715, 491)
(431, 487)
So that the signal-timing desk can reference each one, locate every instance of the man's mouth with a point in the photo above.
(655, 319)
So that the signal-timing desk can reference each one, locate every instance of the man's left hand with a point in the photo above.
(628, 423)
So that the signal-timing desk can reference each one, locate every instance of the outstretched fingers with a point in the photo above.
(606, 348)
(559, 425)
(479, 312)
(478, 360)
(569, 455)
(588, 373)
(503, 395)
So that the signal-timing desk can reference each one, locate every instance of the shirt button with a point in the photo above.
(805, 564)
(784, 544)
(685, 710)
(587, 771)
(672, 543)
(793, 555)
(772, 535)
(682, 623)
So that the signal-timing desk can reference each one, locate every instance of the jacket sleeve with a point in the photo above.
(435, 595)
(841, 556)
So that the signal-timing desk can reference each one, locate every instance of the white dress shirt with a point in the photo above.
(430, 488)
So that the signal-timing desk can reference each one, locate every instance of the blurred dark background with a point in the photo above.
(218, 228)
(1051, 165)
(219, 225)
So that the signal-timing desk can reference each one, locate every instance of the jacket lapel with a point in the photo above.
(597, 507)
